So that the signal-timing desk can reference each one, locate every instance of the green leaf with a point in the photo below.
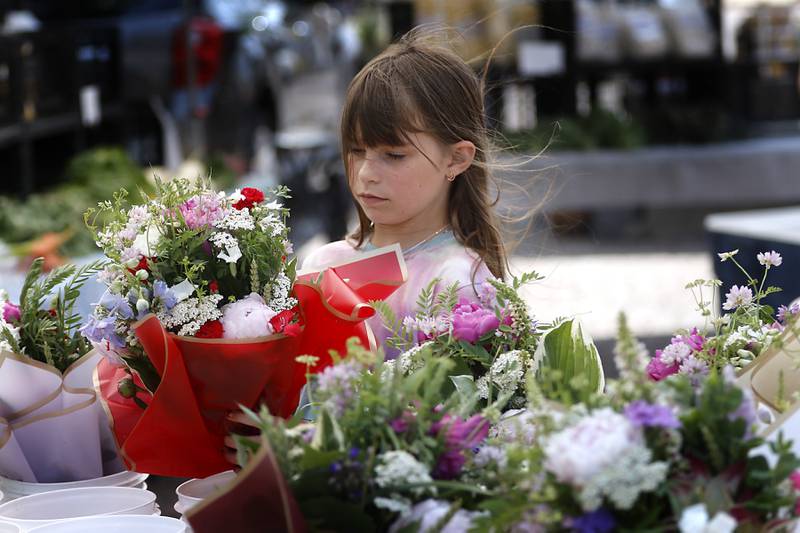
(570, 351)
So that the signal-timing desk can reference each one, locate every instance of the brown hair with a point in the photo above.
(418, 86)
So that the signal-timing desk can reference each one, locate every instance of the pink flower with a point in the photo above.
(202, 211)
(694, 340)
(658, 370)
(11, 312)
(247, 318)
(471, 321)
(794, 477)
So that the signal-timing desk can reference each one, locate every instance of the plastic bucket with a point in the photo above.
(45, 508)
(196, 490)
(117, 524)
(18, 489)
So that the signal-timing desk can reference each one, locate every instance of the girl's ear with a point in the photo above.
(463, 153)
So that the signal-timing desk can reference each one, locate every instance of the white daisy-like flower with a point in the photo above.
(228, 242)
(737, 297)
(770, 259)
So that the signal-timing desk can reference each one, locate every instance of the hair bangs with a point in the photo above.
(378, 112)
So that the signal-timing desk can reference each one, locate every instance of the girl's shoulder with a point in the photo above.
(333, 252)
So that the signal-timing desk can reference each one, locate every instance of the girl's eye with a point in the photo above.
(357, 151)
(395, 156)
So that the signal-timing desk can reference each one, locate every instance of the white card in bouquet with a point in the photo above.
(787, 424)
(52, 429)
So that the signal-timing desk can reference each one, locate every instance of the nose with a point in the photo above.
(366, 170)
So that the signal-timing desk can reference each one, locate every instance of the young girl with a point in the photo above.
(415, 147)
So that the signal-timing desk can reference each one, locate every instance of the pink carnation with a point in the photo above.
(658, 370)
(11, 312)
(247, 318)
(202, 211)
(471, 321)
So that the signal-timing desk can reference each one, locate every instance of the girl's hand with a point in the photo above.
(240, 424)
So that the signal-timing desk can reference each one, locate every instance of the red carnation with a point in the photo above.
(213, 287)
(251, 197)
(280, 321)
(292, 330)
(210, 330)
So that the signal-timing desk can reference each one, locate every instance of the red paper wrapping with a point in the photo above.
(258, 500)
(182, 430)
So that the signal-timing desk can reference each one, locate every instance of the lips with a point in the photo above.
(370, 199)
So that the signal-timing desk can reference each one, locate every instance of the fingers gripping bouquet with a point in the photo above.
(198, 318)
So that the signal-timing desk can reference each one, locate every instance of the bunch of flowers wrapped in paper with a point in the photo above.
(52, 428)
(757, 341)
(201, 316)
(493, 339)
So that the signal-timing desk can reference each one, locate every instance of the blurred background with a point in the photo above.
(663, 131)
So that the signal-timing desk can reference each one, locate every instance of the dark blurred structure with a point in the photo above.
(167, 79)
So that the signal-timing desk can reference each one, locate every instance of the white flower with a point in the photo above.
(112, 354)
(675, 353)
(623, 480)
(279, 291)
(414, 358)
(517, 426)
(607, 434)
(737, 297)
(3, 295)
(227, 241)
(396, 504)
(399, 467)
(191, 314)
(247, 318)
(508, 369)
(5, 326)
(274, 205)
(770, 259)
(147, 241)
(694, 519)
(236, 219)
(724, 256)
(488, 455)
(182, 290)
(426, 516)
(236, 196)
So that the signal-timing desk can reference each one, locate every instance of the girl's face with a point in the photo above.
(399, 185)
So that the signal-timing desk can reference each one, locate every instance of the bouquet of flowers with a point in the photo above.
(385, 451)
(646, 456)
(493, 340)
(51, 426)
(744, 331)
(200, 317)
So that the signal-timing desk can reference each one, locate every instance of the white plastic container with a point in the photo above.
(192, 492)
(18, 489)
(9, 527)
(42, 509)
(115, 524)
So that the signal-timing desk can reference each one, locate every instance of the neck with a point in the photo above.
(405, 236)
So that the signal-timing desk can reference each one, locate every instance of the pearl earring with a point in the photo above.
(451, 176)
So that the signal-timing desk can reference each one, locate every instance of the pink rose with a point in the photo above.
(471, 321)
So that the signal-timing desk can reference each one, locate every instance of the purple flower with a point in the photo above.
(471, 321)
(103, 329)
(599, 521)
(116, 304)
(642, 414)
(694, 340)
(695, 368)
(737, 297)
(402, 423)
(658, 370)
(746, 411)
(770, 259)
(163, 293)
(785, 313)
(335, 387)
(459, 435)
(11, 312)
